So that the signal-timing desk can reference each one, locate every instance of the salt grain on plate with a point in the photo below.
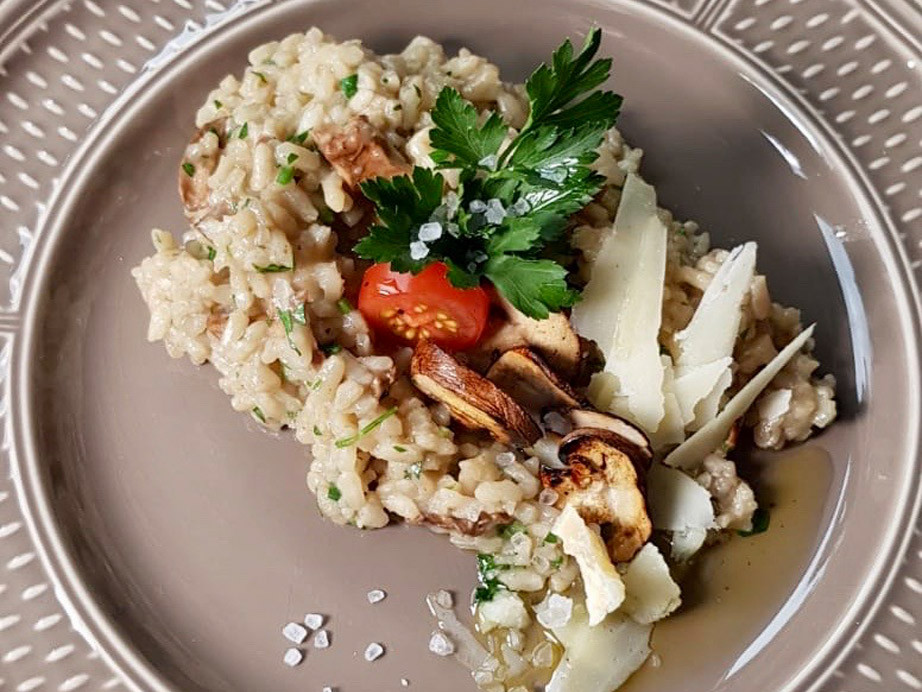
(294, 632)
(441, 645)
(328, 689)
(404, 682)
(445, 599)
(374, 651)
(314, 621)
(495, 212)
(477, 206)
(293, 657)
(376, 596)
(322, 640)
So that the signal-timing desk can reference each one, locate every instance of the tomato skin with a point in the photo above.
(424, 306)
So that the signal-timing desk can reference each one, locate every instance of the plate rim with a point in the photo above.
(70, 587)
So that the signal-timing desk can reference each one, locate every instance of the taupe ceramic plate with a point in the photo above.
(179, 537)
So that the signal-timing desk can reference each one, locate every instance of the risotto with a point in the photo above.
(479, 440)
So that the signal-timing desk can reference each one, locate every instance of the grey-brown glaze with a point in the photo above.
(192, 529)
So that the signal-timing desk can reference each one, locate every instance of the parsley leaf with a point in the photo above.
(258, 412)
(334, 493)
(512, 203)
(349, 85)
(244, 131)
(271, 268)
(760, 522)
(188, 169)
(352, 439)
(286, 318)
(286, 175)
(536, 287)
(457, 139)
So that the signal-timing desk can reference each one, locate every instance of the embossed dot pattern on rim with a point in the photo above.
(851, 68)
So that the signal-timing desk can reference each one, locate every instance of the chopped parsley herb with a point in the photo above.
(188, 168)
(760, 521)
(489, 583)
(212, 253)
(330, 349)
(218, 104)
(286, 319)
(298, 314)
(317, 431)
(292, 157)
(551, 537)
(334, 493)
(414, 471)
(349, 85)
(682, 232)
(557, 562)
(398, 448)
(271, 268)
(285, 176)
(445, 432)
(509, 530)
(326, 215)
(300, 137)
(244, 131)
(525, 193)
(344, 306)
(352, 439)
(262, 77)
(258, 412)
(315, 385)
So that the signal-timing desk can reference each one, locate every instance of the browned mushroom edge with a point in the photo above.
(599, 464)
(473, 400)
(524, 376)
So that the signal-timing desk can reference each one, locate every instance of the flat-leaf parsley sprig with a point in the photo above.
(513, 199)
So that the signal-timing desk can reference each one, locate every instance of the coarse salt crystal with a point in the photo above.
(430, 231)
(322, 640)
(376, 596)
(554, 611)
(374, 651)
(294, 632)
(328, 689)
(488, 162)
(404, 682)
(418, 250)
(520, 208)
(445, 599)
(293, 657)
(495, 212)
(548, 497)
(477, 206)
(543, 655)
(441, 645)
(314, 621)
(556, 175)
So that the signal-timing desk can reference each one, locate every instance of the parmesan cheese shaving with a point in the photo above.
(621, 309)
(651, 592)
(705, 346)
(604, 588)
(691, 452)
(601, 658)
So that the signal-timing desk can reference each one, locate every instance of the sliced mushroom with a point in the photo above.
(193, 189)
(524, 376)
(587, 418)
(552, 338)
(358, 151)
(484, 523)
(601, 481)
(473, 400)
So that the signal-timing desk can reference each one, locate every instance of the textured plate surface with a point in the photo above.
(179, 539)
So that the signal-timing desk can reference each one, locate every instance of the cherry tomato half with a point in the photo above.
(425, 306)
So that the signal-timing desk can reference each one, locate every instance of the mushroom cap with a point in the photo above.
(473, 400)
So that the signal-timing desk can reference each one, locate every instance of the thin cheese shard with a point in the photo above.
(705, 346)
(621, 309)
(604, 588)
(692, 452)
(600, 658)
(652, 594)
